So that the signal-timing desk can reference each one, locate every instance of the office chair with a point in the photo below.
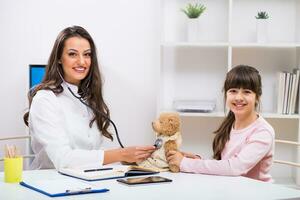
(293, 164)
(16, 138)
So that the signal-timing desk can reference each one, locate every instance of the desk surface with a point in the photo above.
(184, 186)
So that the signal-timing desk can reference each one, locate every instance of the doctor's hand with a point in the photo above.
(174, 158)
(136, 153)
(128, 154)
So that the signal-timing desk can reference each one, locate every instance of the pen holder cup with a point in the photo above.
(13, 168)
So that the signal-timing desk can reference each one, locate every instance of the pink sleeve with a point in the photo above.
(256, 147)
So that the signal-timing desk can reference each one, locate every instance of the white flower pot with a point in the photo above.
(262, 30)
(193, 30)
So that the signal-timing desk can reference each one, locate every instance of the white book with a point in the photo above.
(292, 79)
(296, 97)
(280, 90)
(293, 94)
(286, 90)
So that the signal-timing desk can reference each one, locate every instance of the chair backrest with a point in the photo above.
(17, 138)
(294, 164)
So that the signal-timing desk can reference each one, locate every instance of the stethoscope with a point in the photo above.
(158, 141)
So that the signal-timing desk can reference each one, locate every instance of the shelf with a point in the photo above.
(266, 45)
(195, 44)
(234, 45)
(280, 116)
(221, 114)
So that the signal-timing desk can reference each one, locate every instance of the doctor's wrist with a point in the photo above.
(112, 156)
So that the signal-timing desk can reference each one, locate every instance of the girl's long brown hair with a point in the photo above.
(241, 76)
(90, 87)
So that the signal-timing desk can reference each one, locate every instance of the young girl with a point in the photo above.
(244, 143)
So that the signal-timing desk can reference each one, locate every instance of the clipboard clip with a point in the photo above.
(80, 191)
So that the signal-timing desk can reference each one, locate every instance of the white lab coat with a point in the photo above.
(61, 136)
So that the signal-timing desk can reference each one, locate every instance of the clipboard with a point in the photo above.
(62, 187)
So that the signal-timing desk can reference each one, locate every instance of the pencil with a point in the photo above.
(5, 151)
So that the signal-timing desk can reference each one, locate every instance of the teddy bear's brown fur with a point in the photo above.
(166, 127)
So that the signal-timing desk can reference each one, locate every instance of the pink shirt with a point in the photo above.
(249, 153)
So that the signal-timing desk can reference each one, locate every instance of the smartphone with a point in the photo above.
(144, 180)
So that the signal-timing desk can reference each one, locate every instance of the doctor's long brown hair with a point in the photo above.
(90, 86)
(241, 76)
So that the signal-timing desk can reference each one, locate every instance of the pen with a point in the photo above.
(82, 191)
(85, 190)
(100, 169)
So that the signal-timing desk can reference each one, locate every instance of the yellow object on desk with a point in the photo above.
(13, 168)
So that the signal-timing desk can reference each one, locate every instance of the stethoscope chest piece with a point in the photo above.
(158, 143)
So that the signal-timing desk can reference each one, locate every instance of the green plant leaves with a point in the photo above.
(262, 15)
(194, 10)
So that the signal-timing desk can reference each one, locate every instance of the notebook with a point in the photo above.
(105, 173)
(62, 187)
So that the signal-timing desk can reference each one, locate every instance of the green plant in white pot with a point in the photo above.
(193, 12)
(262, 19)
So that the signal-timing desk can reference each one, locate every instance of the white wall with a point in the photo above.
(127, 35)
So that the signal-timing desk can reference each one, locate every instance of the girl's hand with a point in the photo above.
(191, 155)
(174, 158)
(136, 153)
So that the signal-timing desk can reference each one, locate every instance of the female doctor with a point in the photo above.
(65, 132)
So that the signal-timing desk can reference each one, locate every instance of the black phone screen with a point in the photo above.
(144, 180)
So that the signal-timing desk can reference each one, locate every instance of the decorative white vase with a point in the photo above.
(192, 29)
(262, 30)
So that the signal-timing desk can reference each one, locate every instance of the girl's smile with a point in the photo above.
(239, 104)
(242, 103)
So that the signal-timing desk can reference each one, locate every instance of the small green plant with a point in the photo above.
(194, 10)
(262, 15)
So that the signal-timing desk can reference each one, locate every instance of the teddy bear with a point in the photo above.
(167, 128)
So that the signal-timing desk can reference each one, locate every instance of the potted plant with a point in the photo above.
(262, 26)
(193, 12)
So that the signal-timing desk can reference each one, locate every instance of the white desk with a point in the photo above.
(184, 186)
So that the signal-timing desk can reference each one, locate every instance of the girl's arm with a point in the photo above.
(254, 151)
(191, 155)
(175, 157)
